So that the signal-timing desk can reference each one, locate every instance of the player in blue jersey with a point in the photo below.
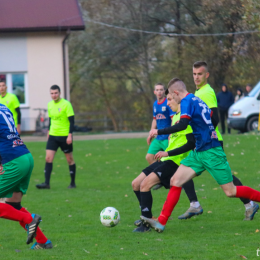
(162, 115)
(208, 154)
(15, 170)
(207, 94)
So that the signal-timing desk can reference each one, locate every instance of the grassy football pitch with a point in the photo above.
(105, 169)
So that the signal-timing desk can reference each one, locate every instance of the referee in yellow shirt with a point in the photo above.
(11, 101)
(61, 118)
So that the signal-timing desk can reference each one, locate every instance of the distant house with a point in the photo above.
(33, 50)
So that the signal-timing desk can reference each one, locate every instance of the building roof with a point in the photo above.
(40, 15)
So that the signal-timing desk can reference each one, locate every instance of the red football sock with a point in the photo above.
(40, 237)
(9, 212)
(171, 201)
(248, 193)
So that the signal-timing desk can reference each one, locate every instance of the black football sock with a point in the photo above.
(72, 173)
(16, 205)
(137, 193)
(237, 182)
(146, 204)
(48, 169)
(190, 190)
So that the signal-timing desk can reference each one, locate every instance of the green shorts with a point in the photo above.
(17, 176)
(158, 145)
(213, 160)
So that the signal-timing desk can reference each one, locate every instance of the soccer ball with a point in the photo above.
(109, 217)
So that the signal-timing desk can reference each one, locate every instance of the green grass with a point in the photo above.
(105, 169)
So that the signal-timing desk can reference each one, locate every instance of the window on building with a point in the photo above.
(17, 84)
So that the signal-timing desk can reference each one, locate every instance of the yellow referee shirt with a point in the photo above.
(59, 113)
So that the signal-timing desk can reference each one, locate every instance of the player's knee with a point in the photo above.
(175, 182)
(230, 193)
(135, 185)
(149, 158)
(49, 159)
(70, 160)
(144, 186)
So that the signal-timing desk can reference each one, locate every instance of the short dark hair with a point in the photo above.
(54, 87)
(172, 81)
(199, 64)
(159, 84)
(2, 80)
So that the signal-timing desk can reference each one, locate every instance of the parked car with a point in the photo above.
(243, 115)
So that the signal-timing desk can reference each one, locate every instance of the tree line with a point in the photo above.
(116, 61)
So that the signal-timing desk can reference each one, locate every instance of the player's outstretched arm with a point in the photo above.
(190, 145)
(182, 125)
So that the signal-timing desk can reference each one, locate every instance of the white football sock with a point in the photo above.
(248, 205)
(195, 204)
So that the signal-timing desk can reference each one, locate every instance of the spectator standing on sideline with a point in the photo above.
(239, 94)
(225, 100)
(61, 118)
(162, 115)
(248, 89)
(11, 101)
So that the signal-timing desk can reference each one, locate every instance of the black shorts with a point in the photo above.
(164, 170)
(54, 142)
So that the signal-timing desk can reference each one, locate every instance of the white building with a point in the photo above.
(33, 50)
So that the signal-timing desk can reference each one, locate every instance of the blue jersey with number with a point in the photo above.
(163, 114)
(199, 114)
(11, 146)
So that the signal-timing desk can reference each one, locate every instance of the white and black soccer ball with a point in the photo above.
(109, 217)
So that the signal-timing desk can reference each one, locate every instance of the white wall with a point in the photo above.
(45, 68)
(39, 55)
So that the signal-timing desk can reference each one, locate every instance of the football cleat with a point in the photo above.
(47, 245)
(142, 228)
(157, 186)
(191, 212)
(72, 186)
(250, 213)
(32, 227)
(154, 223)
(138, 222)
(43, 186)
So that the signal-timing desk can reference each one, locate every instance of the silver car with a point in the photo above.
(244, 114)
